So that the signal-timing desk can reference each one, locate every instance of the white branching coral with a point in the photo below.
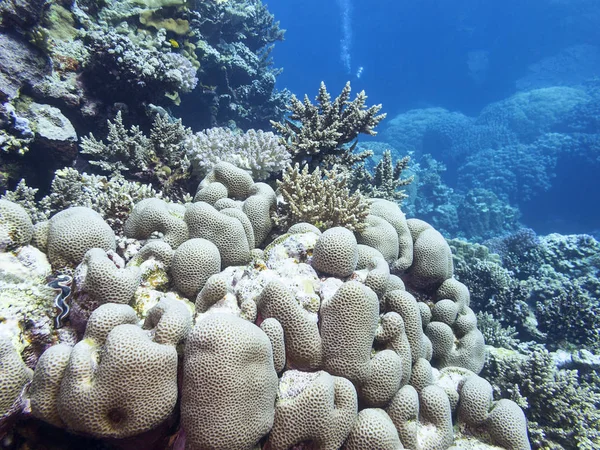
(113, 198)
(257, 152)
(324, 128)
(123, 150)
(160, 159)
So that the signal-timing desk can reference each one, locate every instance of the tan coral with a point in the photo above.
(130, 389)
(314, 407)
(155, 215)
(322, 199)
(229, 384)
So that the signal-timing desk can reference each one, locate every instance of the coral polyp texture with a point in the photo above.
(356, 337)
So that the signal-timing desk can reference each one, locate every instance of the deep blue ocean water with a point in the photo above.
(462, 56)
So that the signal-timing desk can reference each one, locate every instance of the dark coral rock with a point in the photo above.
(21, 64)
(21, 13)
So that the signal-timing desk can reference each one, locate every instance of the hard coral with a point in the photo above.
(257, 152)
(159, 159)
(321, 199)
(130, 389)
(325, 127)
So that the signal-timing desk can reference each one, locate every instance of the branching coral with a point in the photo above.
(321, 199)
(257, 152)
(113, 197)
(561, 409)
(160, 159)
(386, 182)
(315, 131)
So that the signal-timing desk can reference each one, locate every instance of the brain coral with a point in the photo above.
(313, 407)
(14, 375)
(372, 342)
(72, 232)
(223, 230)
(131, 388)
(16, 228)
(193, 263)
(103, 280)
(153, 215)
(229, 384)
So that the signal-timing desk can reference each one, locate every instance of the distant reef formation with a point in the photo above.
(527, 157)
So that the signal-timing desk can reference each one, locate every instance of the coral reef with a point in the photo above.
(546, 287)
(382, 332)
(112, 197)
(561, 406)
(233, 40)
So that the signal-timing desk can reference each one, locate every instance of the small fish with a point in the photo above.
(174, 43)
(62, 283)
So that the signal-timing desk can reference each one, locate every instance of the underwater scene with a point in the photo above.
(299, 225)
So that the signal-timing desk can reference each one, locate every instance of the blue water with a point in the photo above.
(462, 56)
(414, 53)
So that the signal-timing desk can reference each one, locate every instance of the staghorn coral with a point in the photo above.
(257, 152)
(159, 159)
(319, 198)
(315, 131)
(386, 182)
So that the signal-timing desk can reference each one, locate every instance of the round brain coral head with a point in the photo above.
(225, 231)
(14, 375)
(373, 429)
(74, 231)
(153, 215)
(194, 262)
(336, 252)
(432, 260)
(16, 229)
(101, 278)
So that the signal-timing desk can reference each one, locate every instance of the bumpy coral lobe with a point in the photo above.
(74, 231)
(16, 228)
(229, 384)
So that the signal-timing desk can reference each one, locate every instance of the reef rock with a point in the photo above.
(20, 64)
